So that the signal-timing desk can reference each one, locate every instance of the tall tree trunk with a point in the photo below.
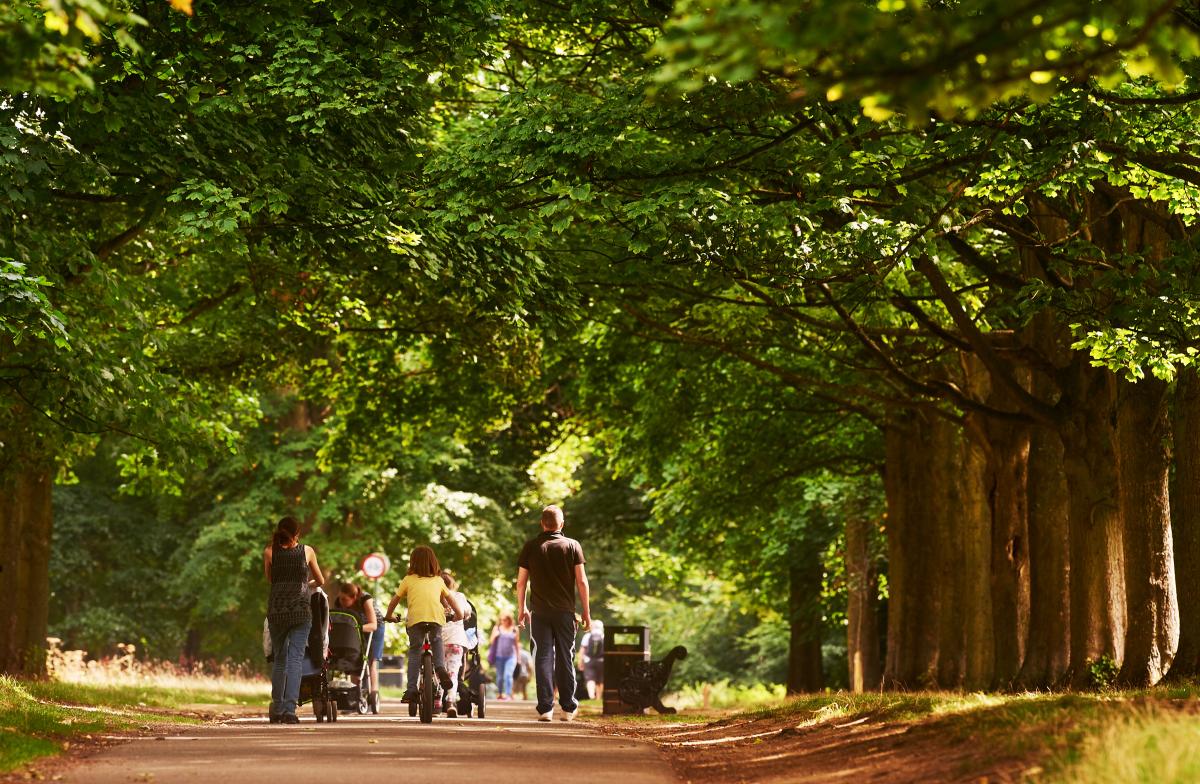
(1096, 550)
(804, 610)
(1185, 520)
(969, 514)
(862, 607)
(1153, 632)
(939, 543)
(25, 528)
(1005, 495)
(1047, 651)
(949, 538)
(913, 596)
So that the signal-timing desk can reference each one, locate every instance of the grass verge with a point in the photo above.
(42, 718)
(1129, 736)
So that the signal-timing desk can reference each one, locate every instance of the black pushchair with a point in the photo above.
(472, 679)
(347, 662)
(314, 680)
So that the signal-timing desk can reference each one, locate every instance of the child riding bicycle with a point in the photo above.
(425, 591)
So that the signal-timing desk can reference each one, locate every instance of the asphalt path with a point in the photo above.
(510, 745)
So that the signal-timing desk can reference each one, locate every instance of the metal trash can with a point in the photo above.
(391, 671)
(623, 645)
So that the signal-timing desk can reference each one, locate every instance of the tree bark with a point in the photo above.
(862, 607)
(1004, 496)
(1048, 647)
(938, 550)
(1185, 520)
(913, 596)
(968, 513)
(1153, 631)
(1097, 605)
(26, 521)
(804, 609)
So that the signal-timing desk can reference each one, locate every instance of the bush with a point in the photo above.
(725, 694)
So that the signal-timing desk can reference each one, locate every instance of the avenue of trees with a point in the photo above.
(882, 314)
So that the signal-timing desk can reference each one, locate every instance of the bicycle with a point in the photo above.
(427, 680)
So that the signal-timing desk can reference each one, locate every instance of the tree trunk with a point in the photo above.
(25, 528)
(938, 551)
(1096, 550)
(1048, 648)
(968, 513)
(862, 607)
(1003, 496)
(913, 598)
(804, 609)
(1185, 520)
(1153, 633)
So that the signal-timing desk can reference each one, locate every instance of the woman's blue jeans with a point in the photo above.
(505, 665)
(288, 646)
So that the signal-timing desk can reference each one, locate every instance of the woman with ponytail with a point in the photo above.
(292, 571)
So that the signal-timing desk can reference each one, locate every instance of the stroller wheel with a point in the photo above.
(319, 710)
(362, 706)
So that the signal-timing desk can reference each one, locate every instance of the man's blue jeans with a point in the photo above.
(554, 659)
(288, 646)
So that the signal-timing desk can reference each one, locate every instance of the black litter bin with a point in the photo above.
(623, 645)
(391, 671)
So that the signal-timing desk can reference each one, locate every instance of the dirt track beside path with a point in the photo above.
(508, 746)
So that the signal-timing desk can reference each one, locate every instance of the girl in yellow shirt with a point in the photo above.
(428, 599)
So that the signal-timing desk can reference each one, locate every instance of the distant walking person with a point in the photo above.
(505, 647)
(292, 570)
(551, 566)
(591, 653)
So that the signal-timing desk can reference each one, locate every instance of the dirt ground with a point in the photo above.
(853, 750)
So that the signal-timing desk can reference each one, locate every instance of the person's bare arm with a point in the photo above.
(318, 579)
(391, 608)
(522, 582)
(460, 610)
(267, 562)
(372, 622)
(581, 583)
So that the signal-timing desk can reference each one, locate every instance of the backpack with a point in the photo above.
(595, 646)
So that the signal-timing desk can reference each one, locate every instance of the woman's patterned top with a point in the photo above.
(289, 602)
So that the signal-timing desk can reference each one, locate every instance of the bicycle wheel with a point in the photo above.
(428, 683)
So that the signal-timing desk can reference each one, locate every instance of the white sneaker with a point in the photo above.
(547, 716)
(568, 715)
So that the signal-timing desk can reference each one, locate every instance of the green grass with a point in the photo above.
(1146, 747)
(1109, 736)
(38, 717)
(113, 695)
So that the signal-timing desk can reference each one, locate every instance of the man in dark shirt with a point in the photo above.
(551, 565)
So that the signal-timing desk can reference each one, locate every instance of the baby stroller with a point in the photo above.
(347, 662)
(472, 680)
(314, 675)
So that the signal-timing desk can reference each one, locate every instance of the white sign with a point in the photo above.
(374, 566)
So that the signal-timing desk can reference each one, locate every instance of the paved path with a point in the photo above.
(506, 747)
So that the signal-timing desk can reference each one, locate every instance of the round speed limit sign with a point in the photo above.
(374, 566)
